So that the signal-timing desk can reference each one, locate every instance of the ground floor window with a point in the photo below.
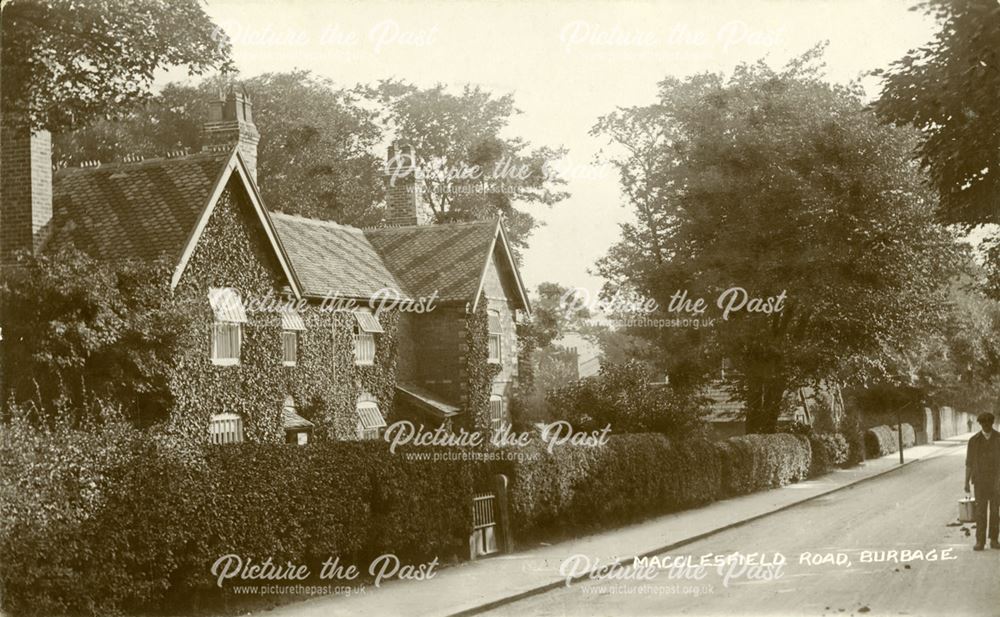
(225, 428)
(370, 420)
(497, 413)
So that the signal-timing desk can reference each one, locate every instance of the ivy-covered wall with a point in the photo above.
(325, 383)
(446, 351)
(499, 294)
(231, 252)
(477, 373)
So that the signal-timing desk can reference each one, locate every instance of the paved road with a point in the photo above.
(910, 509)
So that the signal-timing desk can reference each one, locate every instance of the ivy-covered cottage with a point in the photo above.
(301, 328)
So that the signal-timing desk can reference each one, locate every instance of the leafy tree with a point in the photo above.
(785, 186)
(66, 63)
(168, 121)
(642, 134)
(948, 89)
(457, 133)
(622, 396)
(315, 155)
(317, 152)
(317, 149)
(551, 316)
(991, 267)
(960, 365)
(79, 334)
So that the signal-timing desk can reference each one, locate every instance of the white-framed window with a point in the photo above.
(370, 420)
(225, 428)
(495, 338)
(227, 339)
(497, 413)
(227, 329)
(364, 348)
(291, 325)
(289, 347)
(365, 327)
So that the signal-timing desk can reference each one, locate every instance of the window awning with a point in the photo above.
(226, 305)
(427, 401)
(368, 322)
(370, 416)
(291, 320)
(291, 421)
(494, 319)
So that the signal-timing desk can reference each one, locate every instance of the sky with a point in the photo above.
(567, 64)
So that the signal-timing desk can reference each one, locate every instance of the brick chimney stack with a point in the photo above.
(230, 123)
(403, 189)
(25, 188)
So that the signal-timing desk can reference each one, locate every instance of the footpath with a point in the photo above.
(475, 586)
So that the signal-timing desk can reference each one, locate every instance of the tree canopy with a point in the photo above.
(466, 133)
(319, 153)
(316, 153)
(948, 89)
(67, 63)
(787, 187)
(81, 334)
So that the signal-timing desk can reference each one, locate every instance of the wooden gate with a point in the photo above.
(490, 522)
(484, 524)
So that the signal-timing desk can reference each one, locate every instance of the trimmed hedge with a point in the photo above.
(757, 462)
(879, 441)
(118, 523)
(829, 451)
(644, 474)
(882, 440)
(157, 521)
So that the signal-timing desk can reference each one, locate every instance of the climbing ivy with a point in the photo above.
(325, 383)
(479, 373)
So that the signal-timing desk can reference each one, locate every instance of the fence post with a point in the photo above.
(505, 539)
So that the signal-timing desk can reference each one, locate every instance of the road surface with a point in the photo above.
(913, 509)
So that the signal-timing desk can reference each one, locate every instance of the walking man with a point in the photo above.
(982, 468)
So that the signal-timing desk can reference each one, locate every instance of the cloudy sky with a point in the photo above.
(567, 63)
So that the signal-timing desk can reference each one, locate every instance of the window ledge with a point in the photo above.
(356, 363)
(494, 361)
(287, 363)
(225, 362)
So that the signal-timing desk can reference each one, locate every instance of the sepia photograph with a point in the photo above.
(449, 308)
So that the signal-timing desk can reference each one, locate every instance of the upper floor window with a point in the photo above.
(289, 347)
(291, 326)
(496, 338)
(225, 428)
(227, 330)
(365, 327)
(370, 420)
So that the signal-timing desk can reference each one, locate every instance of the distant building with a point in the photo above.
(588, 353)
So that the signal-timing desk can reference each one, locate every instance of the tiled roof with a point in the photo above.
(148, 209)
(133, 210)
(725, 406)
(447, 259)
(331, 258)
